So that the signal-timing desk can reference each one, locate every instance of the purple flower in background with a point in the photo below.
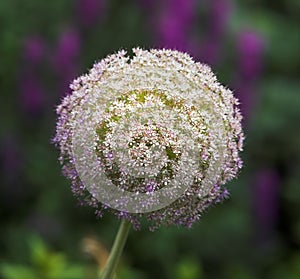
(90, 11)
(32, 94)
(219, 15)
(247, 95)
(147, 4)
(66, 57)
(34, 49)
(67, 51)
(174, 23)
(250, 49)
(266, 190)
(209, 51)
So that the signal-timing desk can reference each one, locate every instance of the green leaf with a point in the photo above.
(38, 250)
(9, 271)
(189, 269)
(72, 272)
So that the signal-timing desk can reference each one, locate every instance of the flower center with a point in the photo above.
(136, 141)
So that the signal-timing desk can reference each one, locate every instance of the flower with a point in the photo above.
(250, 50)
(90, 11)
(32, 93)
(174, 23)
(155, 135)
(65, 57)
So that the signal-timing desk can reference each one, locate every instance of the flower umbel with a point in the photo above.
(155, 135)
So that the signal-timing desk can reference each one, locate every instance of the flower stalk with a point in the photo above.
(116, 252)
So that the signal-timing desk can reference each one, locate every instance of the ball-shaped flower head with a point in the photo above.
(155, 135)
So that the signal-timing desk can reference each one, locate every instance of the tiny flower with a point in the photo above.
(155, 135)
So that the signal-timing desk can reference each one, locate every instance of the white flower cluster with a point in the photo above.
(155, 135)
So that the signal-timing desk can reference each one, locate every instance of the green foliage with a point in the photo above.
(42, 263)
(227, 243)
(188, 268)
(10, 271)
(287, 269)
(125, 272)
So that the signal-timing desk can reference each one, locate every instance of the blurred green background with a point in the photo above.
(253, 46)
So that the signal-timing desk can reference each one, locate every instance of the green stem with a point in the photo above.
(116, 251)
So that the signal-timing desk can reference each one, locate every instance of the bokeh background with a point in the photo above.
(252, 45)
